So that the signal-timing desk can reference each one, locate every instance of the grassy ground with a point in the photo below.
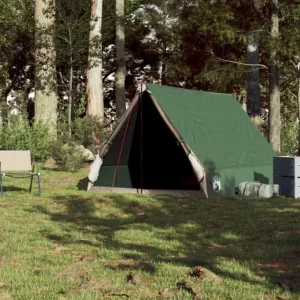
(70, 244)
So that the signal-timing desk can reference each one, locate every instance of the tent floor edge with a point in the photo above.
(180, 193)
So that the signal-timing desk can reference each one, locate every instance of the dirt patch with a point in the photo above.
(2, 260)
(50, 163)
(5, 296)
(164, 293)
(87, 258)
(288, 232)
(182, 284)
(130, 264)
(134, 278)
(191, 282)
(89, 284)
(74, 272)
(203, 274)
(6, 204)
(59, 250)
(60, 181)
(278, 266)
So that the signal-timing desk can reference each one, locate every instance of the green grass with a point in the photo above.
(70, 244)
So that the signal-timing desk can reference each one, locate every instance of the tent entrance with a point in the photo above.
(157, 160)
(152, 157)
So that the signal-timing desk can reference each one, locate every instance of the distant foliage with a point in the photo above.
(289, 138)
(17, 134)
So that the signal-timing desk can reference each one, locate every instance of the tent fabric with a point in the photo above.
(215, 127)
(94, 170)
(198, 168)
(174, 134)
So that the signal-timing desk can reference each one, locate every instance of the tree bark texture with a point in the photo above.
(298, 115)
(120, 93)
(253, 91)
(45, 65)
(70, 97)
(95, 106)
(274, 79)
(299, 99)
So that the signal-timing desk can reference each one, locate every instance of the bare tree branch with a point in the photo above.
(260, 66)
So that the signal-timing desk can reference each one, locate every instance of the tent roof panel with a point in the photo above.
(215, 127)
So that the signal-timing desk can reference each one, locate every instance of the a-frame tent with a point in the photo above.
(183, 142)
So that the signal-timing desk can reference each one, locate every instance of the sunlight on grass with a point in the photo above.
(230, 236)
(70, 244)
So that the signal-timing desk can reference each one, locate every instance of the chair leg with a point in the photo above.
(1, 188)
(31, 179)
(38, 180)
(1, 185)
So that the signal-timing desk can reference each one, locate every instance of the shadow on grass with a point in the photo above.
(261, 235)
(82, 184)
(13, 188)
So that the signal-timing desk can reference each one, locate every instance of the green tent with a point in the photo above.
(177, 141)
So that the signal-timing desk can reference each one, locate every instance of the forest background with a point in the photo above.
(69, 68)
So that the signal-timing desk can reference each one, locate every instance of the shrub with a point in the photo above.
(18, 134)
(68, 157)
(83, 130)
(289, 138)
(66, 151)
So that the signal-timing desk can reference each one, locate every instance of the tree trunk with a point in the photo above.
(95, 106)
(163, 64)
(298, 98)
(274, 115)
(70, 97)
(120, 94)
(253, 91)
(45, 65)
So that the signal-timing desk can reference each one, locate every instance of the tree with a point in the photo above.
(274, 79)
(45, 64)
(120, 94)
(95, 105)
(253, 90)
(72, 31)
(16, 47)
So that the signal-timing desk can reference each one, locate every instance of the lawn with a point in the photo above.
(70, 244)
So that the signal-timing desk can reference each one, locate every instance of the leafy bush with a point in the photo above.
(289, 138)
(83, 132)
(18, 134)
(68, 156)
(66, 151)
